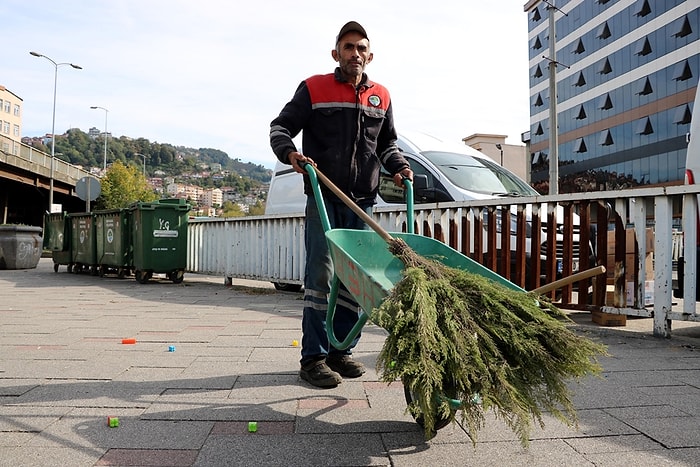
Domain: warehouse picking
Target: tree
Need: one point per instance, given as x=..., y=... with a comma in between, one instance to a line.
x=230, y=209
x=258, y=209
x=123, y=185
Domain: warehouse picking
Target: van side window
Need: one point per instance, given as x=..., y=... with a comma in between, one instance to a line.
x=390, y=193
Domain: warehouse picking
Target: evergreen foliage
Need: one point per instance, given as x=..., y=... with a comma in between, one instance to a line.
x=457, y=339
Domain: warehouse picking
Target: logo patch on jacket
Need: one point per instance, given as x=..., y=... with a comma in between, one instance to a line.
x=375, y=100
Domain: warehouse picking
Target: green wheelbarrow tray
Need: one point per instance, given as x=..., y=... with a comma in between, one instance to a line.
x=369, y=271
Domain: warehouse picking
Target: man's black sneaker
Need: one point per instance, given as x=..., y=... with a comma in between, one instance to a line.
x=345, y=365
x=320, y=375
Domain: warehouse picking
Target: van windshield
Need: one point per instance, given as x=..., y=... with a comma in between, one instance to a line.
x=479, y=175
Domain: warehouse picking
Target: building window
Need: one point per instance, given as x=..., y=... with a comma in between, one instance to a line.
x=602, y=2
x=536, y=15
x=606, y=138
x=605, y=103
x=642, y=47
x=644, y=87
x=16, y=110
x=579, y=48
x=682, y=115
x=538, y=72
x=642, y=8
x=682, y=72
x=603, y=31
x=644, y=127
x=6, y=127
x=580, y=146
x=604, y=67
x=580, y=81
x=682, y=27
x=15, y=130
x=539, y=130
x=536, y=43
x=538, y=101
x=581, y=113
x=7, y=107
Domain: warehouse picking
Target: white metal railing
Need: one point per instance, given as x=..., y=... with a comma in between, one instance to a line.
x=271, y=248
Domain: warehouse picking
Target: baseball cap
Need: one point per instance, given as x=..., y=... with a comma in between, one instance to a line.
x=351, y=26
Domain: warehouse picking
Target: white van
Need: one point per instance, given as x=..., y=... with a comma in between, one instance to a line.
x=453, y=173
x=450, y=172
x=692, y=177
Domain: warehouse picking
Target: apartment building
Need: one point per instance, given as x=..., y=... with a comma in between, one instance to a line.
x=626, y=73
x=10, y=120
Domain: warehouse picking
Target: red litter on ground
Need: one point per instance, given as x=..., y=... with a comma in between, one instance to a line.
x=130, y=340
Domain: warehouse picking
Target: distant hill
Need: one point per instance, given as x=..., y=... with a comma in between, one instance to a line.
x=85, y=150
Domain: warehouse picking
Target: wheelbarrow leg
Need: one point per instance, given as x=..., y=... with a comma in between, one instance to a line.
x=330, y=315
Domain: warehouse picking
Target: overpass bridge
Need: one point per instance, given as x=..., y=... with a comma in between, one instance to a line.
x=25, y=179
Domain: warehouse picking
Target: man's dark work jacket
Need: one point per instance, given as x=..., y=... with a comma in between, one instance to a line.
x=347, y=131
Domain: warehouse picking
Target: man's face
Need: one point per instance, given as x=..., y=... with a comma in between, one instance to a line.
x=352, y=54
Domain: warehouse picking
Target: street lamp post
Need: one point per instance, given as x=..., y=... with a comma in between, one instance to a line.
x=144, y=162
x=500, y=148
x=104, y=162
x=53, y=119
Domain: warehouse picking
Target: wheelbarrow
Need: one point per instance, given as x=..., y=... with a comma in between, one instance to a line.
x=369, y=271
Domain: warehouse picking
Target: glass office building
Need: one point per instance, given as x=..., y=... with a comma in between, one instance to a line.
x=626, y=77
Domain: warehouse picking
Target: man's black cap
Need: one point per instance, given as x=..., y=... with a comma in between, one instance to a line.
x=351, y=26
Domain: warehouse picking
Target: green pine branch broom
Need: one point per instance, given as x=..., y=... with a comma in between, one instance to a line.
x=464, y=344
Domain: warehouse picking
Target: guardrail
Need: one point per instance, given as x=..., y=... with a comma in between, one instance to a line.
x=29, y=158
x=628, y=231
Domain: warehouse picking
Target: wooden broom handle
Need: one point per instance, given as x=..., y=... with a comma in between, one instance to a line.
x=579, y=276
x=355, y=208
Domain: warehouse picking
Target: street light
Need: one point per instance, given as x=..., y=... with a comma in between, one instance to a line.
x=104, y=164
x=144, y=163
x=53, y=119
x=500, y=148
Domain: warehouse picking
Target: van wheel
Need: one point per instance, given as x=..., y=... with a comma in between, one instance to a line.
x=284, y=287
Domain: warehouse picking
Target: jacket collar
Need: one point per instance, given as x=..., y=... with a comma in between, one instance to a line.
x=364, y=82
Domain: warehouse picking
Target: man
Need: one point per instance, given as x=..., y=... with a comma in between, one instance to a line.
x=348, y=132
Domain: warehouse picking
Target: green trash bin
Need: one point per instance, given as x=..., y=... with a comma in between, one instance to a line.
x=57, y=240
x=159, y=238
x=83, y=251
x=113, y=242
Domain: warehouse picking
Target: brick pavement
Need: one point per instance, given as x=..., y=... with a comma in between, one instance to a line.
x=64, y=370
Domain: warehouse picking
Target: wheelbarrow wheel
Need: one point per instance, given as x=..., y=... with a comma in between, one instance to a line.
x=441, y=421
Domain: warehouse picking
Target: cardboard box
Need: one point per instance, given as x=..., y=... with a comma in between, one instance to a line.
x=648, y=299
x=630, y=260
x=608, y=319
x=629, y=241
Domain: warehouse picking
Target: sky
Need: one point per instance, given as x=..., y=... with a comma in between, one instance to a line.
x=213, y=74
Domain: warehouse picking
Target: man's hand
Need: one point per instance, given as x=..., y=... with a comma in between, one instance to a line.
x=297, y=160
x=404, y=174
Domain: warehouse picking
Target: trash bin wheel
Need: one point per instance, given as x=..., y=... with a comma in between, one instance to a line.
x=440, y=421
x=102, y=270
x=121, y=272
x=69, y=268
x=55, y=267
x=176, y=276
x=143, y=276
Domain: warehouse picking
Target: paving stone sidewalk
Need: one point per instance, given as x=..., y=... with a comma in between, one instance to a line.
x=209, y=359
